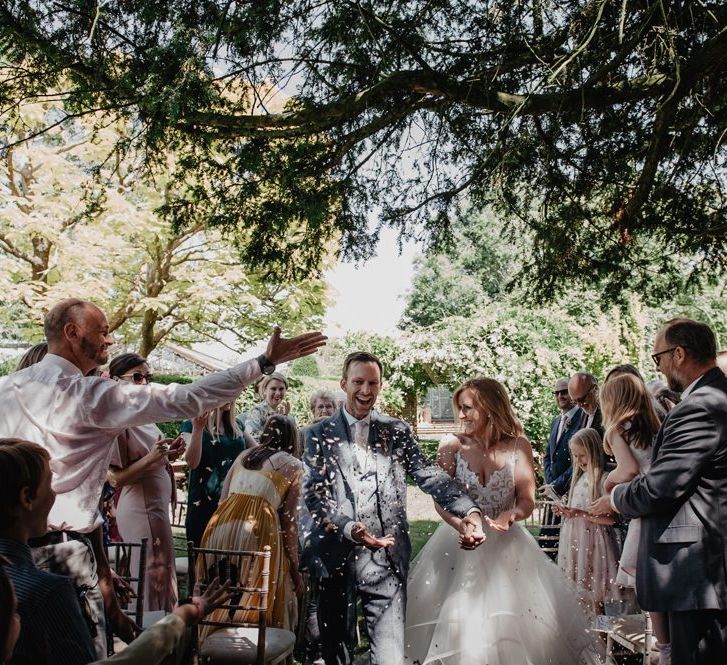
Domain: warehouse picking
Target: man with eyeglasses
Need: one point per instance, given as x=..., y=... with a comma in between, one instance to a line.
x=583, y=390
x=682, y=500
x=557, y=467
x=77, y=419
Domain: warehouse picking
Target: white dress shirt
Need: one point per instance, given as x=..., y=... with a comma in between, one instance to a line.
x=363, y=482
x=77, y=419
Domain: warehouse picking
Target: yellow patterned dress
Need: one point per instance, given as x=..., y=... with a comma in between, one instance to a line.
x=248, y=520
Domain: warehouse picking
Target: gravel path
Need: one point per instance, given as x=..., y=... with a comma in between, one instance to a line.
x=419, y=506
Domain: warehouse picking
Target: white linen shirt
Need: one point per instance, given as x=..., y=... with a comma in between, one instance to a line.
x=77, y=419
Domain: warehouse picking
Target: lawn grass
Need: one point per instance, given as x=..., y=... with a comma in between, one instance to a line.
x=420, y=531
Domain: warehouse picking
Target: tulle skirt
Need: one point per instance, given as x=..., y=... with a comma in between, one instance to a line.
x=505, y=603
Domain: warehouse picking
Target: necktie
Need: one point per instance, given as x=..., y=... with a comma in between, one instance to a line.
x=359, y=436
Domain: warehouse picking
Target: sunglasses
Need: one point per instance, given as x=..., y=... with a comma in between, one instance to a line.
x=138, y=377
x=560, y=392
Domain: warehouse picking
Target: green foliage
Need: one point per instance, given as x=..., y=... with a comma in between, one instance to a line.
x=595, y=128
x=170, y=430
x=306, y=366
x=172, y=378
x=460, y=277
x=8, y=366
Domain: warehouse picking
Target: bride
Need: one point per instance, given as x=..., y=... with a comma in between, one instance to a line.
x=505, y=603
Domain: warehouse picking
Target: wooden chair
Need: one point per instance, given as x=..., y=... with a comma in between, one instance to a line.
x=632, y=632
x=177, y=518
x=542, y=518
x=121, y=558
x=234, y=641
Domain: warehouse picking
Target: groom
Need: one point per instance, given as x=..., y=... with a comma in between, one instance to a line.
x=356, y=491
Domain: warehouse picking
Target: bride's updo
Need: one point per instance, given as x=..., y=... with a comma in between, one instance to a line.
x=491, y=400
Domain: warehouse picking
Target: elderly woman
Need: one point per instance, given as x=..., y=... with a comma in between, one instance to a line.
x=273, y=389
x=322, y=404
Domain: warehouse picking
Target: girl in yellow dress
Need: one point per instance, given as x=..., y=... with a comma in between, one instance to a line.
x=258, y=507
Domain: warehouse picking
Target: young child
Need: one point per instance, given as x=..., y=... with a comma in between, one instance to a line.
x=631, y=424
x=588, y=552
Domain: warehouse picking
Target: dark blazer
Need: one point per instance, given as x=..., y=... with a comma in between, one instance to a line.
x=682, y=500
x=557, y=467
x=329, y=497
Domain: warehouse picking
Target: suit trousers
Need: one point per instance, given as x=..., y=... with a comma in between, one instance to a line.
x=698, y=637
x=383, y=598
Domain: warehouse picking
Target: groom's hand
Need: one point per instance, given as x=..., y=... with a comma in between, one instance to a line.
x=471, y=533
x=361, y=535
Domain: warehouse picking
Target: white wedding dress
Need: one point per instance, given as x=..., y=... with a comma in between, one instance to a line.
x=505, y=603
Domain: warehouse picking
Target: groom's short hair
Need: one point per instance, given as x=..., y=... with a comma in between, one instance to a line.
x=361, y=357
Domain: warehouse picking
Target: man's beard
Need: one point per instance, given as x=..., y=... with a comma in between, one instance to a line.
x=97, y=354
x=675, y=383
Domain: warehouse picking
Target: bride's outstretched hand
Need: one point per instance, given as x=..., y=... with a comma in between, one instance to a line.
x=502, y=522
x=471, y=533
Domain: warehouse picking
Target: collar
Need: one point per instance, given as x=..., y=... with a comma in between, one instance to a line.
x=352, y=420
x=17, y=552
x=67, y=368
x=692, y=385
x=570, y=414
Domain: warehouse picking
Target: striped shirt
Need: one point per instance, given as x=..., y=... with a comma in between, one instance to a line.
x=52, y=629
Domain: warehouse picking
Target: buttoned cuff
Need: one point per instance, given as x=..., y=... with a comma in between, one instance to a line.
x=611, y=499
x=473, y=510
x=347, y=530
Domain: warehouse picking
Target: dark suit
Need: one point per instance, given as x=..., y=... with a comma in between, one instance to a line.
x=378, y=577
x=557, y=471
x=682, y=562
x=557, y=467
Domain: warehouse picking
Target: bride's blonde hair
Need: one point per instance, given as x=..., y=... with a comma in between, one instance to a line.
x=490, y=398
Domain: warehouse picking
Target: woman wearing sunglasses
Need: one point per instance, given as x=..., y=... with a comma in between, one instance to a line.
x=140, y=468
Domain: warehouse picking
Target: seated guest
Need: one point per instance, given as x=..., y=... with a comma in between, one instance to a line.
x=140, y=468
x=259, y=507
x=164, y=642
x=214, y=440
x=52, y=629
x=33, y=355
x=273, y=389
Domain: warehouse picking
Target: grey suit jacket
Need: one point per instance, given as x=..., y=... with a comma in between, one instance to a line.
x=328, y=494
x=682, y=500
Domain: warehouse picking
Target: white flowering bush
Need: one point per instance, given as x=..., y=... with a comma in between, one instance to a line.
x=525, y=349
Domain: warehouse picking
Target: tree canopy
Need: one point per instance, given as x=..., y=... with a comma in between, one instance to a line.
x=73, y=223
x=597, y=126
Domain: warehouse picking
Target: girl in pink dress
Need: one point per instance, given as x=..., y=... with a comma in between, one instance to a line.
x=588, y=551
x=140, y=467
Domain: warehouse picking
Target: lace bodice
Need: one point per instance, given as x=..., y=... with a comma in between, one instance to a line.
x=497, y=495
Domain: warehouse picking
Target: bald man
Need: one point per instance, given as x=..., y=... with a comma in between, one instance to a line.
x=583, y=391
x=77, y=419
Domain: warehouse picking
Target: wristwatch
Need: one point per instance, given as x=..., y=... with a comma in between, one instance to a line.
x=266, y=367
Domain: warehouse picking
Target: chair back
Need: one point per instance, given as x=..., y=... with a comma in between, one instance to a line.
x=129, y=562
x=249, y=575
x=178, y=514
x=544, y=527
